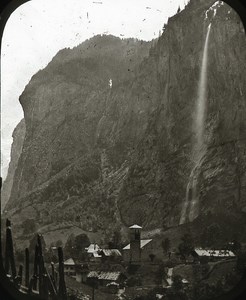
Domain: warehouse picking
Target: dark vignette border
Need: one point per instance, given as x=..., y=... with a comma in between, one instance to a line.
x=7, y=290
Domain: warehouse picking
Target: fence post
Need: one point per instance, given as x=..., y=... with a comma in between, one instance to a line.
x=6, y=262
x=35, y=271
x=9, y=251
x=56, y=277
x=30, y=286
x=52, y=287
x=53, y=277
x=27, y=265
x=45, y=286
x=41, y=268
x=20, y=273
x=52, y=269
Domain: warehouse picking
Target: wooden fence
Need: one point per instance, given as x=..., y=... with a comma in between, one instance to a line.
x=41, y=284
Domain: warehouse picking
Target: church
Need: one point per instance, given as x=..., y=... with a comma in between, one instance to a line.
x=139, y=250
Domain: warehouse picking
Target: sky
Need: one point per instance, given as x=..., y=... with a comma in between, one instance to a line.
x=38, y=29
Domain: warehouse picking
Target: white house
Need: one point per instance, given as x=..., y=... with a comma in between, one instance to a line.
x=213, y=254
x=69, y=267
x=93, y=251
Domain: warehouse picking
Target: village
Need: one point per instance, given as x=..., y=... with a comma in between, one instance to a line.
x=137, y=270
x=140, y=271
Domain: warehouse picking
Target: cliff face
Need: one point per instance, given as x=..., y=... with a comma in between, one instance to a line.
x=16, y=149
x=96, y=155
x=159, y=176
x=80, y=131
x=71, y=96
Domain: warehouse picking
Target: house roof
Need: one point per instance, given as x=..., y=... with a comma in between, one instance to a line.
x=112, y=276
x=69, y=262
x=93, y=274
x=214, y=253
x=142, y=244
x=111, y=252
x=109, y=276
x=135, y=226
x=92, y=248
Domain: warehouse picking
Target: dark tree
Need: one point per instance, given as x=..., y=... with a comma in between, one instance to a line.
x=235, y=246
x=134, y=281
x=160, y=274
x=186, y=246
x=81, y=241
x=111, y=245
x=152, y=257
x=69, y=246
x=75, y=246
x=177, y=283
x=166, y=244
x=117, y=239
x=241, y=262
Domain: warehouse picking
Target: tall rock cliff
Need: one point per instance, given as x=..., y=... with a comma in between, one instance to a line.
x=110, y=127
x=158, y=178
x=83, y=117
x=16, y=149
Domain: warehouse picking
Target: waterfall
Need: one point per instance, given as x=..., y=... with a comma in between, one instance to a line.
x=110, y=83
x=201, y=101
x=190, y=207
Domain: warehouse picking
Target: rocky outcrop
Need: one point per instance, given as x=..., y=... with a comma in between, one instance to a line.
x=16, y=149
x=101, y=155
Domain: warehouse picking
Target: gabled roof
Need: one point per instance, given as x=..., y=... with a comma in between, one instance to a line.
x=143, y=243
x=111, y=252
x=214, y=253
x=69, y=262
x=104, y=275
x=92, y=248
x=135, y=226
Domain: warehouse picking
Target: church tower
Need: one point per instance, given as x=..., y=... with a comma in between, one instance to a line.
x=135, y=243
